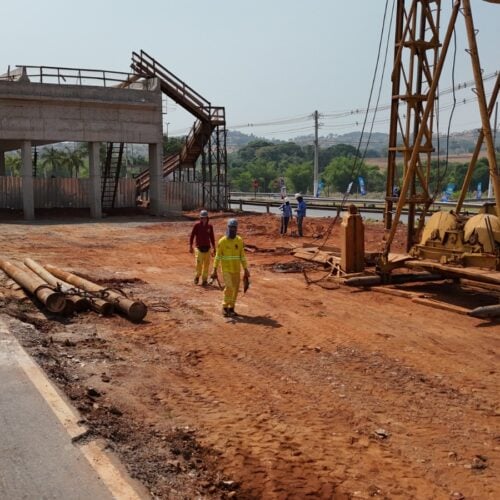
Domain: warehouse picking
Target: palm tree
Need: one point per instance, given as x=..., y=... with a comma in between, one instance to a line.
x=53, y=158
x=13, y=164
x=74, y=160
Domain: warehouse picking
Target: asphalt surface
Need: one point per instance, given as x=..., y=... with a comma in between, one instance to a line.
x=37, y=457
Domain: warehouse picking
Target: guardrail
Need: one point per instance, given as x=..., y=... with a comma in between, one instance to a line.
x=333, y=203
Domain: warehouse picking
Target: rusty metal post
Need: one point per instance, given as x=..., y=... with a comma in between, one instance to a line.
x=135, y=310
x=477, y=150
x=481, y=99
x=55, y=301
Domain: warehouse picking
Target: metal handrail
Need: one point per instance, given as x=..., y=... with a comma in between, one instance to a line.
x=77, y=76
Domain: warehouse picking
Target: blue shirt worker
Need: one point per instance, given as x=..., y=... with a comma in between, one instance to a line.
x=231, y=255
x=301, y=212
x=286, y=215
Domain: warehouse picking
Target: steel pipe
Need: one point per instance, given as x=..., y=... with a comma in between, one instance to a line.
x=79, y=303
x=396, y=279
x=486, y=312
x=54, y=301
x=135, y=310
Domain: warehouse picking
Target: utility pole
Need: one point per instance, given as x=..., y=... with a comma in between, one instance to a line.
x=316, y=154
x=490, y=184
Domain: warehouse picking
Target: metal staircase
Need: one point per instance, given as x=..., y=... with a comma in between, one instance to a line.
x=207, y=138
x=111, y=174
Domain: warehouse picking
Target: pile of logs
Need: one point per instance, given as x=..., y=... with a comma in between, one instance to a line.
x=65, y=293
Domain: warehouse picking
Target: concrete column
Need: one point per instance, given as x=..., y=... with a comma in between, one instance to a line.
x=2, y=163
x=156, y=189
x=27, y=178
x=95, y=181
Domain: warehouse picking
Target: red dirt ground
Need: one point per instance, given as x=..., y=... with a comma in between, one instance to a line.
x=309, y=393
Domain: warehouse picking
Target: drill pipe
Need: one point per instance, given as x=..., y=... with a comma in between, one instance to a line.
x=135, y=310
x=485, y=312
x=55, y=301
x=361, y=281
x=80, y=303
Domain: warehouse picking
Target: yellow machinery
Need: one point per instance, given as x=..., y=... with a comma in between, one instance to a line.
x=450, y=239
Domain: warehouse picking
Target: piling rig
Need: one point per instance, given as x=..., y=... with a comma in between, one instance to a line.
x=448, y=238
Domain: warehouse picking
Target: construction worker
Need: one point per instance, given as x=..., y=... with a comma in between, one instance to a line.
x=203, y=232
x=231, y=255
x=300, y=212
x=286, y=215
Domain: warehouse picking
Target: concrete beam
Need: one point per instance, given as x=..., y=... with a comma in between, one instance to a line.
x=2, y=163
x=55, y=113
x=95, y=181
x=156, y=188
x=27, y=177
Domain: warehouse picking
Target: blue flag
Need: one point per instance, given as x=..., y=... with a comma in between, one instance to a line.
x=362, y=187
x=321, y=185
x=479, y=191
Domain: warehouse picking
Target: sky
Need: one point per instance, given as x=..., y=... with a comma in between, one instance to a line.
x=266, y=61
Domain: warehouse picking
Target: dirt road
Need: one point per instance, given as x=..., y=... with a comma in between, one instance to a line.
x=309, y=393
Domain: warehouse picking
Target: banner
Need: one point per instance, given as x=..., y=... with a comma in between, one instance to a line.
x=349, y=187
x=362, y=186
x=479, y=191
x=321, y=185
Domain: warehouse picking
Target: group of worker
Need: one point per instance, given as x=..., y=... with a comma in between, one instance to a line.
x=286, y=214
x=230, y=252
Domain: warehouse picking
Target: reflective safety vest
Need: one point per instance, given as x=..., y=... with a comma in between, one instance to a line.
x=230, y=254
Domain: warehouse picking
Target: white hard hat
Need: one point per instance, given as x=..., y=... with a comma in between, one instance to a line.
x=297, y=195
x=203, y=213
x=232, y=223
x=286, y=199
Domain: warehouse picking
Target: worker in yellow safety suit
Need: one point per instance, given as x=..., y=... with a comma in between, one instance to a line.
x=231, y=255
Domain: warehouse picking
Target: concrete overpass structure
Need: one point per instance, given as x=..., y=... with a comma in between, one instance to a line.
x=58, y=108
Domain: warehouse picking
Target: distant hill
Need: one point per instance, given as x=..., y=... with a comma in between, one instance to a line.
x=459, y=142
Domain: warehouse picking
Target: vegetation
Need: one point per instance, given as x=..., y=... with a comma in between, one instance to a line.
x=270, y=164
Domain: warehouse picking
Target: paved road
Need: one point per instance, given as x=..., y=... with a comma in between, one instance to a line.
x=37, y=458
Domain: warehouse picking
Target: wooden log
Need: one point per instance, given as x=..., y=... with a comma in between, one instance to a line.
x=54, y=301
x=135, y=310
x=80, y=303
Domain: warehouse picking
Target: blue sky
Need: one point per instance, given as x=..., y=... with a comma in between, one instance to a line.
x=264, y=60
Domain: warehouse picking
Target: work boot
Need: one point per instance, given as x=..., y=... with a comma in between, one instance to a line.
x=231, y=311
x=204, y=283
x=196, y=280
x=225, y=311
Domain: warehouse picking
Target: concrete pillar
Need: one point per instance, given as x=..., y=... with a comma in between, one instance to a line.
x=95, y=181
x=352, y=242
x=156, y=188
x=2, y=163
x=27, y=178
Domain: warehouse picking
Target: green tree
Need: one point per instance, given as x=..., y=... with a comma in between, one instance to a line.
x=52, y=160
x=299, y=177
x=74, y=160
x=13, y=164
x=172, y=145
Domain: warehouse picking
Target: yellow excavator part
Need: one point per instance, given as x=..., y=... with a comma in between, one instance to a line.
x=483, y=229
x=438, y=225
